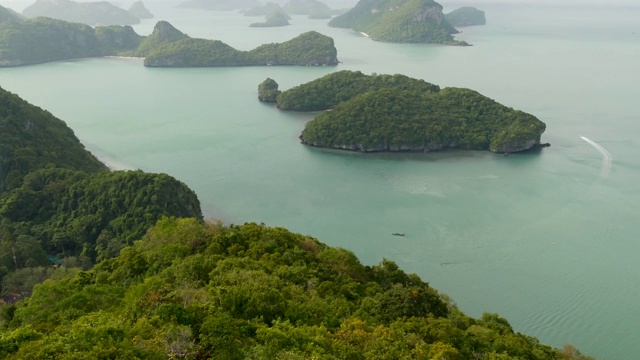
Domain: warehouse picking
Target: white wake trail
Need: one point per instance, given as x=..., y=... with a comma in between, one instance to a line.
x=607, y=159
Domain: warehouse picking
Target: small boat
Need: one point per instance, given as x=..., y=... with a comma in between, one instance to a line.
x=397, y=234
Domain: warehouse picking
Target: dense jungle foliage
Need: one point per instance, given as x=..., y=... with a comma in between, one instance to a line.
x=328, y=91
x=403, y=120
x=190, y=290
x=407, y=21
x=32, y=138
x=59, y=204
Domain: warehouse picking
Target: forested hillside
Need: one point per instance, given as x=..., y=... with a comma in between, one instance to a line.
x=39, y=40
x=405, y=120
x=407, y=21
x=168, y=47
x=33, y=139
x=59, y=204
x=328, y=91
x=206, y=291
x=398, y=113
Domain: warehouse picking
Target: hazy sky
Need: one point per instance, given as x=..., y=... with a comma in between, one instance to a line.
x=19, y=5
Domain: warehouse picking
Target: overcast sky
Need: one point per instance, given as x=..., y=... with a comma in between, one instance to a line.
x=19, y=5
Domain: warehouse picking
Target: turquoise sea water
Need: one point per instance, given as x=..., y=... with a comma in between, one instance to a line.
x=548, y=239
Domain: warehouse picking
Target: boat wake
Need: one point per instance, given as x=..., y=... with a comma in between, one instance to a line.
x=606, y=156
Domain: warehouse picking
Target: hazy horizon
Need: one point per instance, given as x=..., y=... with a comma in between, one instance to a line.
x=19, y=5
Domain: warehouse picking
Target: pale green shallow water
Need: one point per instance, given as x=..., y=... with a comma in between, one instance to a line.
x=548, y=240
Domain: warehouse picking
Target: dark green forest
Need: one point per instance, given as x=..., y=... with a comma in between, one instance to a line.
x=402, y=120
x=398, y=113
x=330, y=90
x=59, y=204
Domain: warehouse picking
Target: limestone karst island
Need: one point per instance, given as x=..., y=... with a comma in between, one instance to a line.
x=40, y=40
x=372, y=113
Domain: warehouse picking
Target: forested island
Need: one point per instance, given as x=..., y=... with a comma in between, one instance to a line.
x=32, y=41
x=39, y=40
x=466, y=16
x=405, y=21
x=139, y=10
x=112, y=285
x=372, y=113
x=90, y=13
x=274, y=19
x=168, y=47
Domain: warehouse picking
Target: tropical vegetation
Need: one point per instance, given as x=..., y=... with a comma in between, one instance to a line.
x=39, y=40
x=86, y=274
x=403, y=120
x=407, y=21
x=328, y=91
x=60, y=205
x=168, y=47
x=194, y=290
x=399, y=113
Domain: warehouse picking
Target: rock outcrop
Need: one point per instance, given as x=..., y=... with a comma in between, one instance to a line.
x=268, y=91
x=140, y=11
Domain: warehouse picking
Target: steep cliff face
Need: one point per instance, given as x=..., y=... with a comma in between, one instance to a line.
x=140, y=11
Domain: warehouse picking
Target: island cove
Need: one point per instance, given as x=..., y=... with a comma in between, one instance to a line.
x=41, y=40
x=396, y=113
